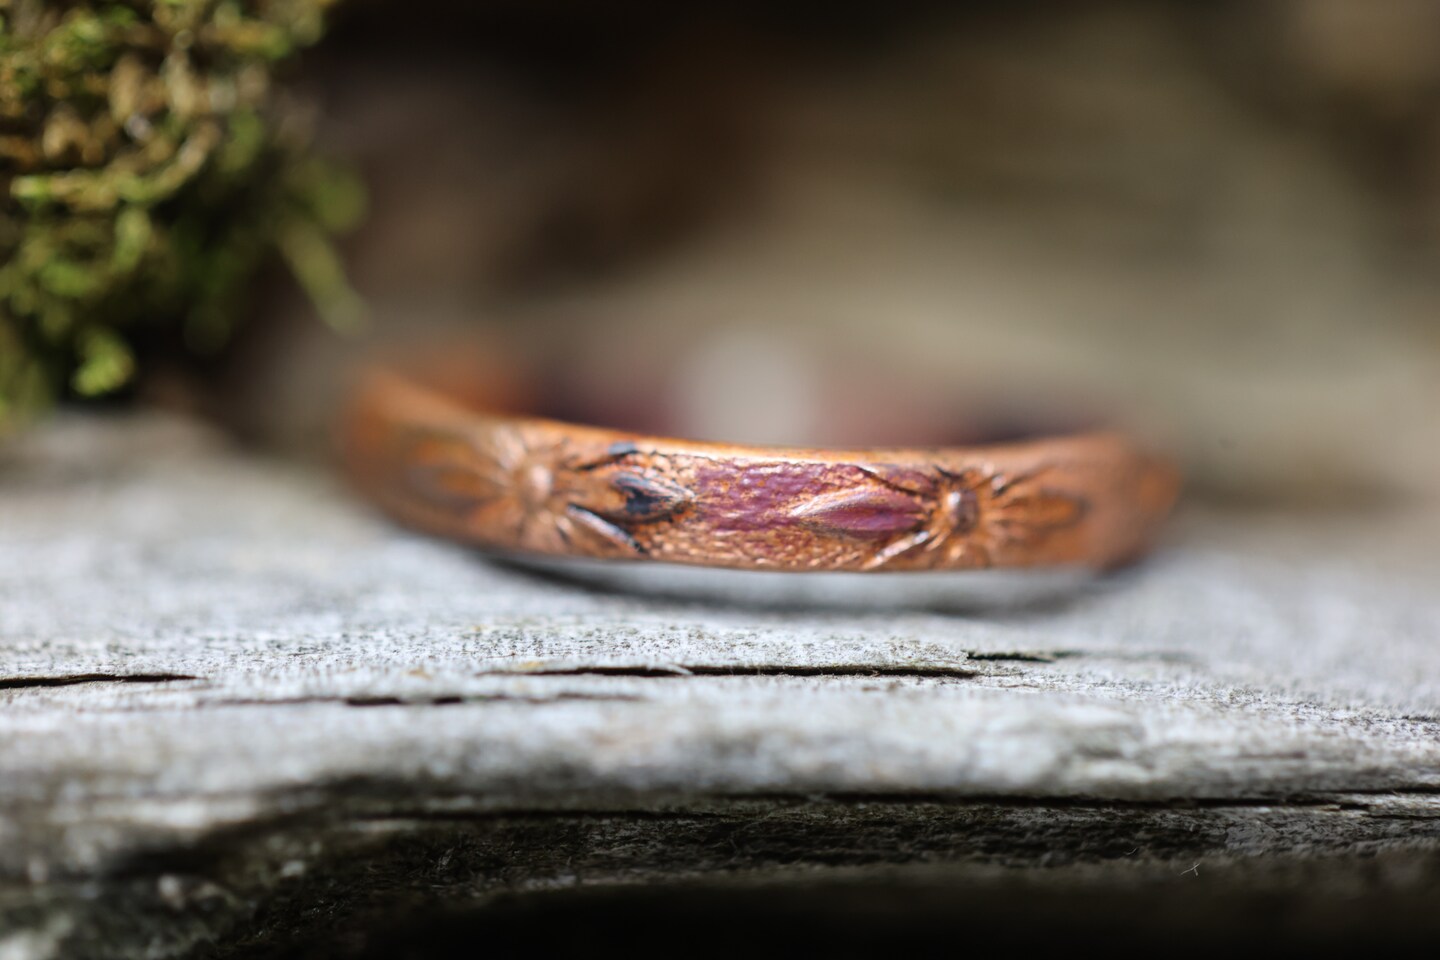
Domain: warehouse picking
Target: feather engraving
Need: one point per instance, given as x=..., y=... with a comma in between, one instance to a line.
x=512, y=484
x=872, y=513
x=941, y=516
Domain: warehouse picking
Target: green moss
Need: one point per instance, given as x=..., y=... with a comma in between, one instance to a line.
x=146, y=171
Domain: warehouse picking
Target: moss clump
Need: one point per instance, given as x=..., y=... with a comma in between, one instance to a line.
x=147, y=165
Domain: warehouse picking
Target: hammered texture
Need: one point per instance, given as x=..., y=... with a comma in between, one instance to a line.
x=551, y=488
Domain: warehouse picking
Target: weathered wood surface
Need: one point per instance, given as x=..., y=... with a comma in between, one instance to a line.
x=225, y=686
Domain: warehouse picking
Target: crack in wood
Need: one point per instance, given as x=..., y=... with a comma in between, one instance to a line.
x=670, y=671
x=1019, y=656
x=458, y=700
x=843, y=804
x=67, y=680
x=444, y=700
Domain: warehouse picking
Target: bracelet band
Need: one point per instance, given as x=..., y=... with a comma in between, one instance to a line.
x=544, y=487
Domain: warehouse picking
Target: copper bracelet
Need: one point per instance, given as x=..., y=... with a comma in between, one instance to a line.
x=536, y=486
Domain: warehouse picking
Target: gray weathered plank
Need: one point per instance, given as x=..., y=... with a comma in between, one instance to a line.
x=195, y=640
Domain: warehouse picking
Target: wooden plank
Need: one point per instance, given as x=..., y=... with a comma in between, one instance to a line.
x=203, y=652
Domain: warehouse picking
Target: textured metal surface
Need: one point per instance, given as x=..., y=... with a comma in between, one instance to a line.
x=549, y=488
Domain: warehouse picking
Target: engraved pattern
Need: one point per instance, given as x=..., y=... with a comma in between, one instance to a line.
x=552, y=488
x=536, y=491
x=942, y=517
x=878, y=513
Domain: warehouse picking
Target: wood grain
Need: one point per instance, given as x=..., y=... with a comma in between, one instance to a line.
x=235, y=707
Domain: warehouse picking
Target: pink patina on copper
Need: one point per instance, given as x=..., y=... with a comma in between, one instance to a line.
x=546, y=487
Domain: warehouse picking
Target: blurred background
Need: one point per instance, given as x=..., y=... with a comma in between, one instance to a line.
x=1218, y=222
x=1215, y=223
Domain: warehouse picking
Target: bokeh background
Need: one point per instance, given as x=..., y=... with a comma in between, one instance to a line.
x=1221, y=221
x=1217, y=222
